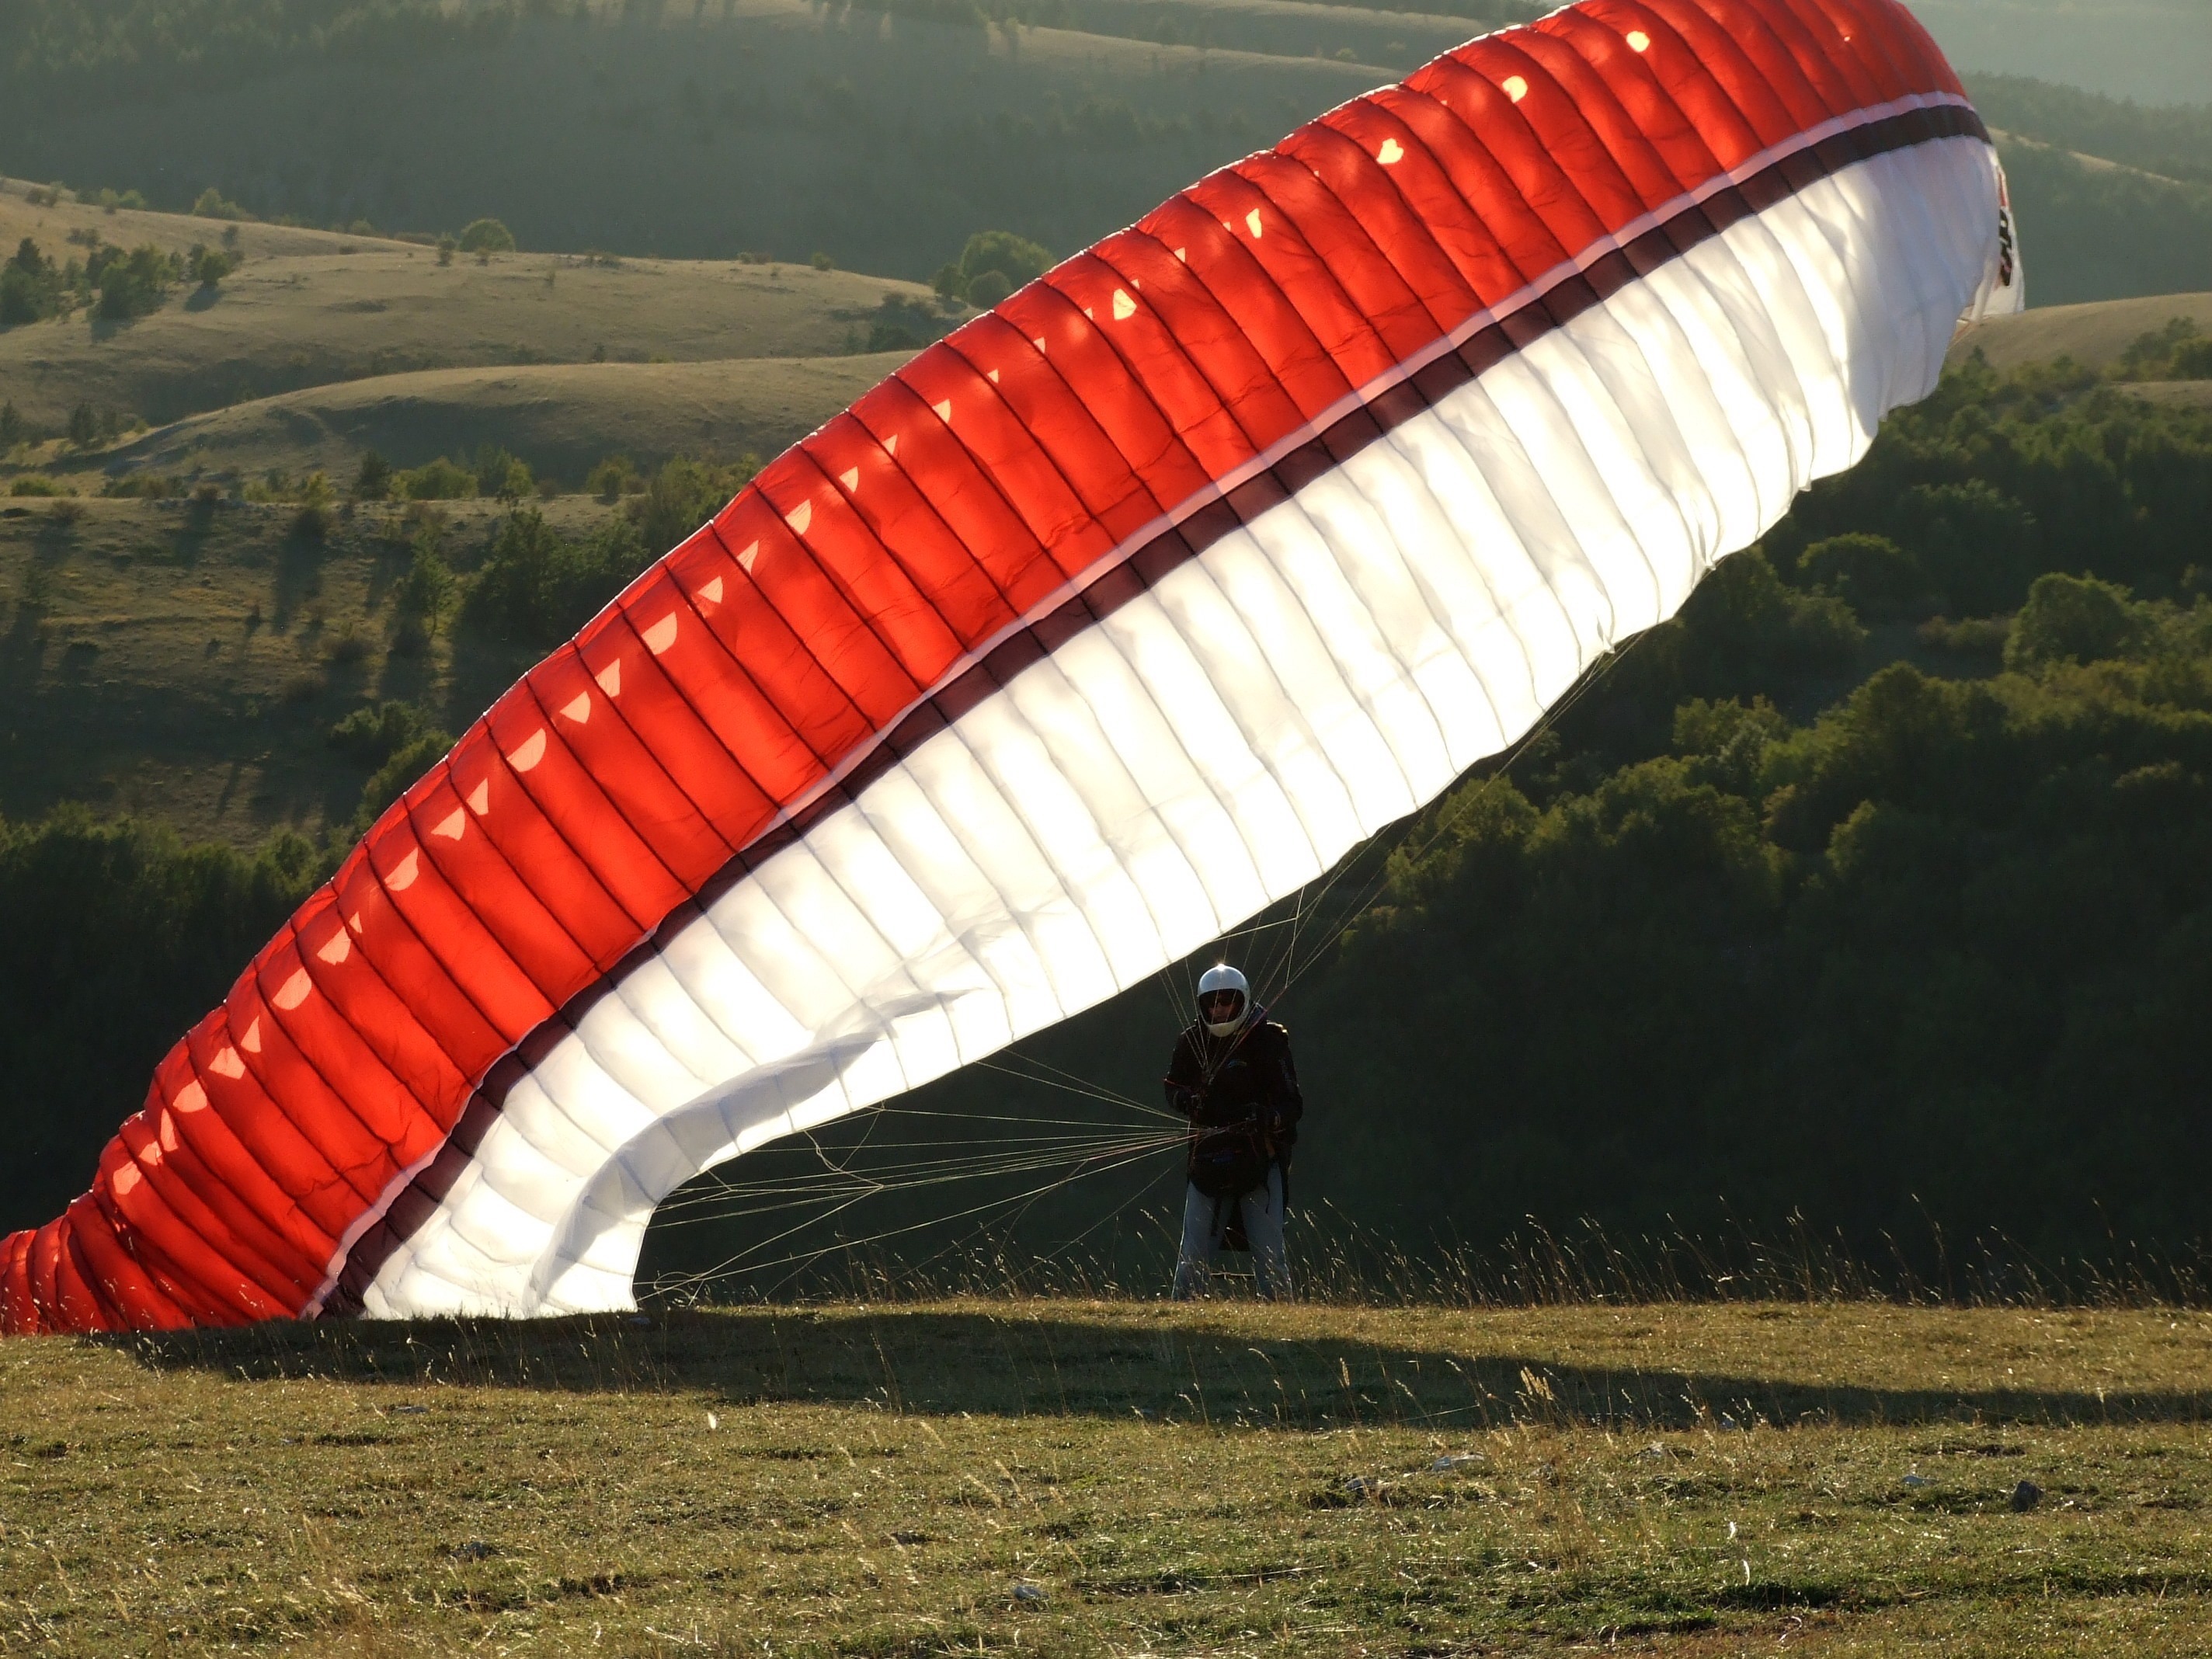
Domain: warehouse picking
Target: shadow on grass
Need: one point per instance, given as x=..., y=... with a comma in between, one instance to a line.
x=1034, y=1361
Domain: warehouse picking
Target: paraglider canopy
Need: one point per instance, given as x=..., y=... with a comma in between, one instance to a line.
x=1122, y=611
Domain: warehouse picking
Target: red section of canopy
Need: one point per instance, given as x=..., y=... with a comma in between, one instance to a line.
x=863, y=566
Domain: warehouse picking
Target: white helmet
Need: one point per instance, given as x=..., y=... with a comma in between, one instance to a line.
x=1219, y=980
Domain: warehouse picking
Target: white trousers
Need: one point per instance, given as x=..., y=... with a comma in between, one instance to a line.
x=1206, y=1219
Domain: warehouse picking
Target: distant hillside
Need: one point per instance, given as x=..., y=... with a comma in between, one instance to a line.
x=2092, y=335
x=2092, y=229
x=2175, y=140
x=309, y=309
x=881, y=134
x=762, y=124
x=560, y=419
x=2156, y=52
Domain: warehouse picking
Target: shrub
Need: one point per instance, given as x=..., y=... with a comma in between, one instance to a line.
x=486, y=236
x=44, y=195
x=347, y=647
x=2077, y=618
x=539, y=587
x=373, y=481
x=500, y=476
x=212, y=205
x=987, y=289
x=682, y=495
x=822, y=262
x=31, y=483
x=1871, y=573
x=30, y=286
x=83, y=427
x=208, y=266
x=614, y=475
x=438, y=481
x=426, y=592
x=445, y=250
x=133, y=283
x=12, y=430
x=373, y=735
x=408, y=762
x=1015, y=259
x=314, y=519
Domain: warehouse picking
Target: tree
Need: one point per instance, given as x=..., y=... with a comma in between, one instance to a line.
x=426, y=592
x=500, y=476
x=207, y=266
x=682, y=495
x=486, y=236
x=211, y=205
x=84, y=426
x=1001, y=255
x=373, y=481
x=2070, y=619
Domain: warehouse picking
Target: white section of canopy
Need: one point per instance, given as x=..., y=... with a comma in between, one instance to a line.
x=1224, y=739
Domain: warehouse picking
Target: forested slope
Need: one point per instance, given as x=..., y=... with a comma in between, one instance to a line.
x=881, y=134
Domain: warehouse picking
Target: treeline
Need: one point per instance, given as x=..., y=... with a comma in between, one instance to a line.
x=116, y=938
x=115, y=284
x=2175, y=140
x=2096, y=232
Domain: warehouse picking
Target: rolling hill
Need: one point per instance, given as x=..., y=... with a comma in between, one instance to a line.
x=562, y=418
x=311, y=308
x=2093, y=334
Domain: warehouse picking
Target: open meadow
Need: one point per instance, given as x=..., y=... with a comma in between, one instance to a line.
x=1121, y=1477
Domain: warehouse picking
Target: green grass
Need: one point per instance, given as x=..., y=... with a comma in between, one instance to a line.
x=1676, y=1479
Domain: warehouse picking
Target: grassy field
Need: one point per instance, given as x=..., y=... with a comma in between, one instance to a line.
x=1120, y=1478
x=564, y=418
x=2093, y=334
x=308, y=309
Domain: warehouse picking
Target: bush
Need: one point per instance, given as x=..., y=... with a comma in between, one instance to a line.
x=408, y=762
x=445, y=250
x=12, y=429
x=373, y=483
x=993, y=264
x=500, y=476
x=32, y=484
x=685, y=494
x=313, y=520
x=83, y=427
x=438, y=481
x=614, y=475
x=373, y=735
x=822, y=262
x=208, y=266
x=1871, y=573
x=130, y=284
x=212, y=205
x=485, y=236
x=426, y=592
x=31, y=286
x=539, y=587
x=2070, y=618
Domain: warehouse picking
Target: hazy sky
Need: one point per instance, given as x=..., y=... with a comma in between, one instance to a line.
x=2155, y=51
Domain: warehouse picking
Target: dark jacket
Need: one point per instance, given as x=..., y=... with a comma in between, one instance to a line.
x=1241, y=1095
